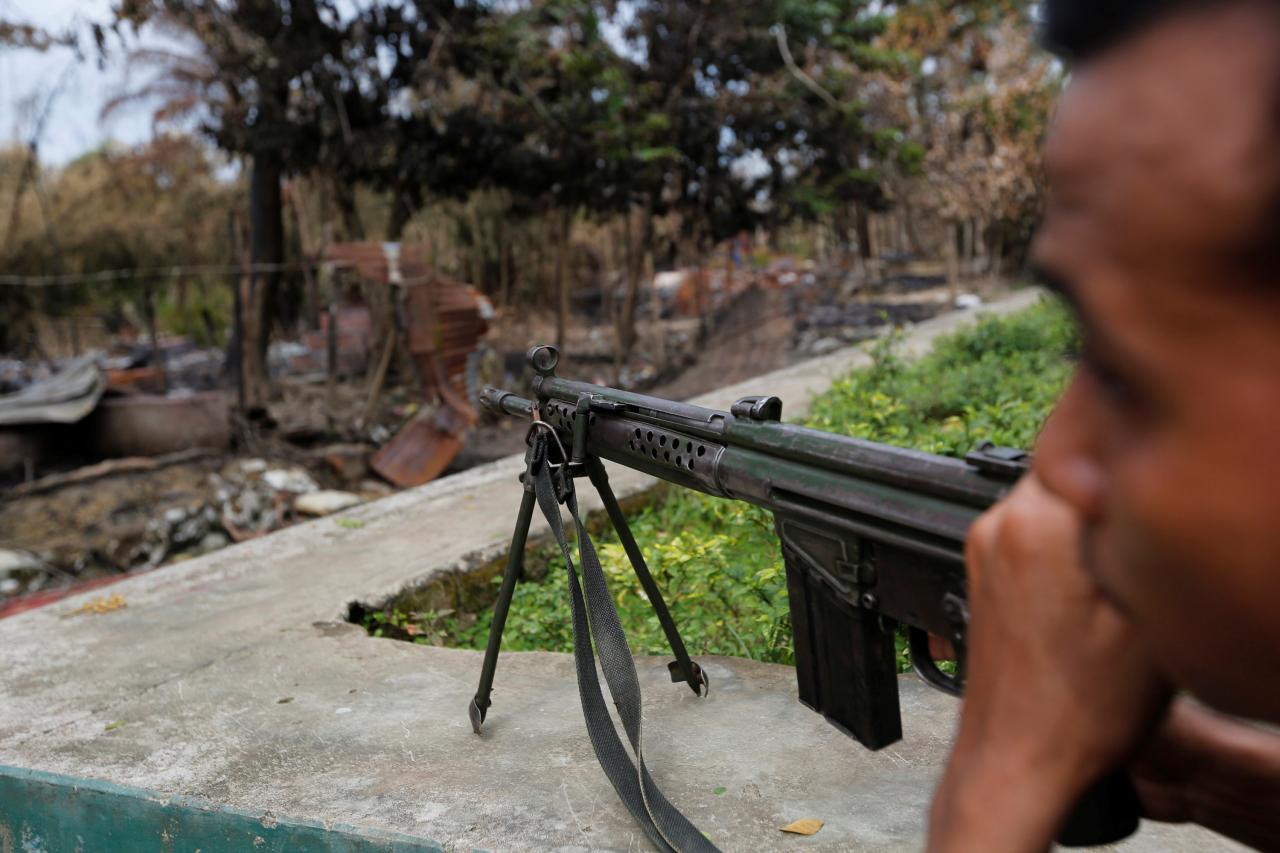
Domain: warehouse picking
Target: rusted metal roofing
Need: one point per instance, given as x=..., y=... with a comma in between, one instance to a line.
x=445, y=320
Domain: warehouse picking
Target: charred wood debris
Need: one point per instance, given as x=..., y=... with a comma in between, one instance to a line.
x=115, y=461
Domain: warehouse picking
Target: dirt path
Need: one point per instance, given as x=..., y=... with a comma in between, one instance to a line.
x=754, y=338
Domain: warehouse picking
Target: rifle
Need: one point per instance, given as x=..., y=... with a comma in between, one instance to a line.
x=872, y=538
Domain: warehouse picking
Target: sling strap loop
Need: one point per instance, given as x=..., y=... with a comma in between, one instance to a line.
x=596, y=617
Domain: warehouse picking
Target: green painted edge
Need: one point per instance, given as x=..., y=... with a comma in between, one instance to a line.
x=46, y=812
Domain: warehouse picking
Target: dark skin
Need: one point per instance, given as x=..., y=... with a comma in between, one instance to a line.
x=1141, y=560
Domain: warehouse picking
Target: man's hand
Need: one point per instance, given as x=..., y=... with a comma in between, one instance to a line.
x=1058, y=690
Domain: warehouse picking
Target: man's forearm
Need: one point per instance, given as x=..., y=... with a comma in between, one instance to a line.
x=993, y=819
x=995, y=800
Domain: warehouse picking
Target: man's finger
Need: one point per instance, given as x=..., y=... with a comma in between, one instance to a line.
x=940, y=648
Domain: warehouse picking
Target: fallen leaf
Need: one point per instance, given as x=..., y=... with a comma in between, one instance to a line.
x=412, y=630
x=720, y=790
x=99, y=605
x=806, y=826
x=113, y=726
x=349, y=523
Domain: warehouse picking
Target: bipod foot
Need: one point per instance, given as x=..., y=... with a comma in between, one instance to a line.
x=695, y=677
x=476, y=713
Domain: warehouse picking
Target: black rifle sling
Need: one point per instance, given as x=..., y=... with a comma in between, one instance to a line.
x=594, y=616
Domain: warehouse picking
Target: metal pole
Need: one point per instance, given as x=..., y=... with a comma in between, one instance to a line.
x=515, y=561
x=682, y=668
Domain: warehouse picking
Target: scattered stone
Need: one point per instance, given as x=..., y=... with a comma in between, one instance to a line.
x=290, y=480
x=853, y=335
x=968, y=300
x=371, y=489
x=325, y=502
x=189, y=526
x=212, y=542
x=825, y=346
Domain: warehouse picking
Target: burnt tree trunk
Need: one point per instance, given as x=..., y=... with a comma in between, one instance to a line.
x=862, y=225
x=344, y=198
x=401, y=212
x=952, y=250
x=266, y=240
x=914, y=244
x=149, y=318
x=504, y=266
x=626, y=316
x=311, y=257
x=562, y=278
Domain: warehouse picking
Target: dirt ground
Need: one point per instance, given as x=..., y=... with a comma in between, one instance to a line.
x=757, y=336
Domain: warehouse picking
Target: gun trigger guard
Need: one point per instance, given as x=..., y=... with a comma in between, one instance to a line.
x=927, y=668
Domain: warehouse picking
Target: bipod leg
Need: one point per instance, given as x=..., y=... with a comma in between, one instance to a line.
x=682, y=668
x=515, y=561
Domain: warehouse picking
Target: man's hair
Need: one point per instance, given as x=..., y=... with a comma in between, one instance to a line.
x=1079, y=29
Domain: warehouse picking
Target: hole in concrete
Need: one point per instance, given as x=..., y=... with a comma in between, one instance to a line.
x=441, y=610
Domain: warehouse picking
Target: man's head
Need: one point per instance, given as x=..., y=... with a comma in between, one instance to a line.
x=1163, y=229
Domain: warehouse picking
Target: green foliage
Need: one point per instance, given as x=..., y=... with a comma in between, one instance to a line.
x=995, y=381
x=184, y=310
x=719, y=567
x=154, y=206
x=719, y=563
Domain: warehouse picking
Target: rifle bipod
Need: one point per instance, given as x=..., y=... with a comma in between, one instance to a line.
x=682, y=669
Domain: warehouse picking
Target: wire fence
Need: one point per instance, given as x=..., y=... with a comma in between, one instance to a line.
x=153, y=273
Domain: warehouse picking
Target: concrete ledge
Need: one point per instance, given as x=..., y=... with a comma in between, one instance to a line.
x=231, y=679
x=48, y=812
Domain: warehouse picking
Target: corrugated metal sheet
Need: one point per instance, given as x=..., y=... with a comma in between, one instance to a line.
x=445, y=320
x=64, y=398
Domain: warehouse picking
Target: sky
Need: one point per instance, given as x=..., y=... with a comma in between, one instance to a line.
x=74, y=125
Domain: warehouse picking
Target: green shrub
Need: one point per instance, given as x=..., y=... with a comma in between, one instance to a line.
x=719, y=563
x=996, y=380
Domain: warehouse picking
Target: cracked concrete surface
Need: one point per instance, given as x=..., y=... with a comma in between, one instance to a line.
x=232, y=678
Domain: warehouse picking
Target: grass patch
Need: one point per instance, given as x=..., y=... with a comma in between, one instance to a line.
x=719, y=563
